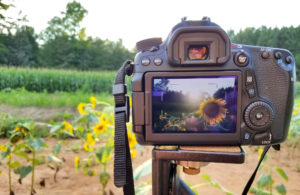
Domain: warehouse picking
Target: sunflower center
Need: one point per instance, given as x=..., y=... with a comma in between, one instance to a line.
x=211, y=109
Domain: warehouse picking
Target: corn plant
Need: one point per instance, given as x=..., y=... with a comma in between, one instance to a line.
x=41, y=80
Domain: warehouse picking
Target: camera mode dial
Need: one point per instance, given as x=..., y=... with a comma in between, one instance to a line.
x=259, y=115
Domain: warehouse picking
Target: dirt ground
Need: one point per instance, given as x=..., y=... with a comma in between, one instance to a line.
x=35, y=113
x=233, y=177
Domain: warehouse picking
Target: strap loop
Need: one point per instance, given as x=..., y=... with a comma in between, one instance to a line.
x=123, y=176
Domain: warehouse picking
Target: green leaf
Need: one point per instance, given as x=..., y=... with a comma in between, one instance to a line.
x=22, y=154
x=142, y=170
x=92, y=118
x=143, y=188
x=56, y=149
x=104, y=178
x=282, y=173
x=37, y=143
x=20, y=146
x=263, y=181
x=206, y=177
x=54, y=159
x=103, y=154
x=281, y=189
x=54, y=129
x=23, y=171
x=15, y=164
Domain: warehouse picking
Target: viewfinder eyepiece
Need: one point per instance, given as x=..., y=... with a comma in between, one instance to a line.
x=198, y=52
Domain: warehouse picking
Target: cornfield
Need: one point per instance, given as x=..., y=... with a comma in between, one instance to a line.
x=48, y=80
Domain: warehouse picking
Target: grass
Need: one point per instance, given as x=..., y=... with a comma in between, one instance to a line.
x=22, y=98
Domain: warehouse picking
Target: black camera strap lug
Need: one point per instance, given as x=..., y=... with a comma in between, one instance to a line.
x=123, y=176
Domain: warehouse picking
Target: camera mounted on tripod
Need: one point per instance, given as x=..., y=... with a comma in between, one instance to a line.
x=197, y=88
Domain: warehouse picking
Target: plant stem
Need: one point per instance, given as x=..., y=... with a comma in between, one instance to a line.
x=32, y=174
x=9, y=171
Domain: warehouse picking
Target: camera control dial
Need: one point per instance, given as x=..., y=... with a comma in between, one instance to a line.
x=259, y=115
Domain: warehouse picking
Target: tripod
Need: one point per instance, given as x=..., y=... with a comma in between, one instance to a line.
x=165, y=180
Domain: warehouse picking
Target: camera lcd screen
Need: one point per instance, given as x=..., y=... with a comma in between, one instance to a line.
x=194, y=104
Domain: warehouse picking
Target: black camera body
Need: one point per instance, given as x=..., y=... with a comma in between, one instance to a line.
x=198, y=88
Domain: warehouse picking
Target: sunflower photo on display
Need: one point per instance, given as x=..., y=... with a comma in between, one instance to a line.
x=208, y=106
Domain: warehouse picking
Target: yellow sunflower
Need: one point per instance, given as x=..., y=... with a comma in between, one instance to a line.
x=90, y=139
x=93, y=101
x=80, y=108
x=3, y=148
x=212, y=110
x=102, y=126
x=23, y=130
x=76, y=161
x=87, y=147
x=68, y=127
x=131, y=139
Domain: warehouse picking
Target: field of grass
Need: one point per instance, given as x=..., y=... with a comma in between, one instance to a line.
x=22, y=97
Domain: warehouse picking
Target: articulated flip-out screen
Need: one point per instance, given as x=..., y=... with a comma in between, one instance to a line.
x=197, y=104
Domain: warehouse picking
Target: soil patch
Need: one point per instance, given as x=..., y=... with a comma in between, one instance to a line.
x=233, y=177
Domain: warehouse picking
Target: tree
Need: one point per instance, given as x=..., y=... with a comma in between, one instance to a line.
x=20, y=49
x=67, y=25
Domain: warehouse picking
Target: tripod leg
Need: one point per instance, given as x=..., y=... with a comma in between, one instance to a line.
x=160, y=177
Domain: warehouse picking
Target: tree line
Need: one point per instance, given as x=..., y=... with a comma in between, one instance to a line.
x=63, y=44
x=285, y=37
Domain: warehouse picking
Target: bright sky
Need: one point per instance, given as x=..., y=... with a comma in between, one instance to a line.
x=135, y=20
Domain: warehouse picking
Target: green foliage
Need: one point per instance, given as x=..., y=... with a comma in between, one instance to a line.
x=40, y=80
x=64, y=44
x=20, y=49
x=212, y=183
x=142, y=170
x=66, y=25
x=282, y=173
x=264, y=184
x=58, y=99
x=8, y=124
x=294, y=131
x=298, y=89
x=23, y=171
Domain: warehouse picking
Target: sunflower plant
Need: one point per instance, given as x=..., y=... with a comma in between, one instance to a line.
x=21, y=143
x=94, y=127
x=294, y=132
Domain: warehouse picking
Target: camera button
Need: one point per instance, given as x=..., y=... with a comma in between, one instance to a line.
x=158, y=61
x=251, y=92
x=247, y=136
x=289, y=59
x=278, y=55
x=241, y=59
x=263, y=138
x=145, y=61
x=265, y=54
x=249, y=77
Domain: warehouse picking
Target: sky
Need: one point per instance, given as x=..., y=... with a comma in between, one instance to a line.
x=135, y=20
x=203, y=85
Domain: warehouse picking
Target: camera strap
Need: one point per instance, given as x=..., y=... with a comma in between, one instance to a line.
x=123, y=176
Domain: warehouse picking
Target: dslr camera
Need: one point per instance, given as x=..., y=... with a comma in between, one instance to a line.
x=198, y=88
